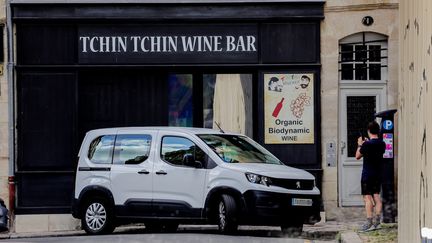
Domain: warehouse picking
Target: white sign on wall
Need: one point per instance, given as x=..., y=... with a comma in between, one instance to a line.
x=288, y=108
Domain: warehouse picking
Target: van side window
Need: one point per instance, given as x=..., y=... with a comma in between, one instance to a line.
x=174, y=150
x=132, y=148
x=100, y=149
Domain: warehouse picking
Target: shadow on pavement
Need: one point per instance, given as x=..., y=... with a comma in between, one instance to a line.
x=272, y=232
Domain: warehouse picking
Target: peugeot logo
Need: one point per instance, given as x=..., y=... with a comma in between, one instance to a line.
x=298, y=185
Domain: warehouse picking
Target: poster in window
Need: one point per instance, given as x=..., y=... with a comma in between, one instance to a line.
x=288, y=108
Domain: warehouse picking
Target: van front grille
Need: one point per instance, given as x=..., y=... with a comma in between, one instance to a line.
x=293, y=184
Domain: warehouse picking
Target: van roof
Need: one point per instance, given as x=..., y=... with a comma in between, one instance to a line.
x=188, y=130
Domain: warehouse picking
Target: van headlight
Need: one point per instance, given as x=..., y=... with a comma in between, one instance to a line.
x=258, y=179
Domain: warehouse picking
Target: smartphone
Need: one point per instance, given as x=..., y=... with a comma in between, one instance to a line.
x=361, y=135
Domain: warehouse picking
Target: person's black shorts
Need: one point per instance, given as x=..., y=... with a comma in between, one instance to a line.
x=370, y=187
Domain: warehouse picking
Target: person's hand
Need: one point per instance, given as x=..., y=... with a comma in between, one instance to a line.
x=360, y=141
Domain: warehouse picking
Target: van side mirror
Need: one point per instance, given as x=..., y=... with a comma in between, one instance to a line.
x=198, y=165
x=189, y=160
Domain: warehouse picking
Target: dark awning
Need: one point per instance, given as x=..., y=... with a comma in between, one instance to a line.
x=167, y=10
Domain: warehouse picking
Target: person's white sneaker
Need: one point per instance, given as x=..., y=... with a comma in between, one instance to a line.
x=377, y=225
x=368, y=226
x=377, y=222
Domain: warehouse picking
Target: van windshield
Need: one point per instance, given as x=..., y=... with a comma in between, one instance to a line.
x=238, y=149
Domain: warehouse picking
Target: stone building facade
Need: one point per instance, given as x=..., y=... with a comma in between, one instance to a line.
x=344, y=19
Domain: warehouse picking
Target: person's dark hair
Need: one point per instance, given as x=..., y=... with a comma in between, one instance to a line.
x=305, y=77
x=273, y=79
x=373, y=128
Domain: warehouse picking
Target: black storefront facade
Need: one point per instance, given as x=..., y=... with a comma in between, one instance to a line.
x=87, y=66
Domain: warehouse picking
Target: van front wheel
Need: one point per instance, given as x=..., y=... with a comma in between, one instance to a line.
x=227, y=214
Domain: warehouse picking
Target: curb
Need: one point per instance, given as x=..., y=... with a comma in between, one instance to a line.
x=350, y=237
x=60, y=233
x=40, y=234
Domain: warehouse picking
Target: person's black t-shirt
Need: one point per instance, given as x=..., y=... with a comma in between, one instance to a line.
x=372, y=152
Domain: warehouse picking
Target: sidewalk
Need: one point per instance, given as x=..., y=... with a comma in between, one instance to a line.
x=345, y=231
x=331, y=230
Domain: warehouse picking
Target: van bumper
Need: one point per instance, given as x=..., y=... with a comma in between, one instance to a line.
x=74, y=208
x=271, y=208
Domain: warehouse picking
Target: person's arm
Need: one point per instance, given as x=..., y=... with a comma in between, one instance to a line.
x=358, y=154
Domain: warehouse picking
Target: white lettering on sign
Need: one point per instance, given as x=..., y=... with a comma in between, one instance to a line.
x=84, y=40
x=155, y=44
x=188, y=43
x=146, y=38
x=230, y=43
x=251, y=43
x=103, y=44
x=92, y=48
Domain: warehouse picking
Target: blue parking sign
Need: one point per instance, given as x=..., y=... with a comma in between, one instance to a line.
x=388, y=125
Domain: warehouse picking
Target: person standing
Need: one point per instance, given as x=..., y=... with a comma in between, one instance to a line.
x=371, y=150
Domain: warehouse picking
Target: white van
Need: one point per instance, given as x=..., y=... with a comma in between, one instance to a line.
x=163, y=176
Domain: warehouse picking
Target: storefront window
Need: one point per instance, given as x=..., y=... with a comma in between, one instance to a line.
x=227, y=100
x=180, y=100
x=209, y=81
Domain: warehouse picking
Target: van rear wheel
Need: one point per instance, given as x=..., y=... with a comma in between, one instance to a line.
x=227, y=214
x=98, y=217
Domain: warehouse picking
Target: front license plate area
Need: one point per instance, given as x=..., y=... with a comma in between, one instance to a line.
x=302, y=202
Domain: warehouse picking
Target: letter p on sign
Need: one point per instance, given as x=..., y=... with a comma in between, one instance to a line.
x=388, y=125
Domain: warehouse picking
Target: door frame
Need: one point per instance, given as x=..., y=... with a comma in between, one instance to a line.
x=354, y=86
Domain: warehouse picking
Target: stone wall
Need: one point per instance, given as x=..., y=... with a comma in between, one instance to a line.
x=343, y=18
x=415, y=119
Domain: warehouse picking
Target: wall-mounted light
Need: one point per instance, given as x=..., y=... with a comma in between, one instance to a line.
x=368, y=21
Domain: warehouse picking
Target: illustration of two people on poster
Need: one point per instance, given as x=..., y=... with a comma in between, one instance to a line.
x=275, y=84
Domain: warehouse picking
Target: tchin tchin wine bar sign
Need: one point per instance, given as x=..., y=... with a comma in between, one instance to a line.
x=211, y=43
x=288, y=108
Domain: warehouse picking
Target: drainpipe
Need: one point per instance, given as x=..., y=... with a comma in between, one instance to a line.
x=11, y=98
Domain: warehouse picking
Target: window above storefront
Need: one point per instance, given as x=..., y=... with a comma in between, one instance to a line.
x=363, y=57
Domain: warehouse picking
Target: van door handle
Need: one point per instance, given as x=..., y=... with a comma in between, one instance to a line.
x=144, y=171
x=161, y=172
